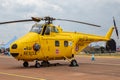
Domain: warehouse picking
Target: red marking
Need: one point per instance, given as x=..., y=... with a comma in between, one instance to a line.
x=76, y=48
x=57, y=51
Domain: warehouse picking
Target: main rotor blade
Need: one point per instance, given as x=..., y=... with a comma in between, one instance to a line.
x=16, y=21
x=80, y=22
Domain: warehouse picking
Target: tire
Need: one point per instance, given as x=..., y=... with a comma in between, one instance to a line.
x=73, y=63
x=25, y=64
x=37, y=65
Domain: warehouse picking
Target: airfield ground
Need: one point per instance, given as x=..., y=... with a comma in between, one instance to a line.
x=103, y=68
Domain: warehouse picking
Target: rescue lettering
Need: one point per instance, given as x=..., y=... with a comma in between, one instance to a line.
x=29, y=53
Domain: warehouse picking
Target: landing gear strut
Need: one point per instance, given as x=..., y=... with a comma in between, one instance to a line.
x=25, y=64
x=45, y=63
x=73, y=63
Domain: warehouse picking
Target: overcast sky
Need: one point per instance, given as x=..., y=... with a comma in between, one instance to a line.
x=98, y=12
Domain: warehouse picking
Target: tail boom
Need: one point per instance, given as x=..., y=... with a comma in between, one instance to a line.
x=109, y=33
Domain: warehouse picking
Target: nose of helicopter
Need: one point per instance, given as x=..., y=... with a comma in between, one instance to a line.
x=14, y=47
x=24, y=44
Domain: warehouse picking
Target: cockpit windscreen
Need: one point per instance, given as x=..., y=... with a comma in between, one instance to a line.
x=37, y=28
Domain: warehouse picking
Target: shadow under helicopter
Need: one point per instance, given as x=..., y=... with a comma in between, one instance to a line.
x=33, y=66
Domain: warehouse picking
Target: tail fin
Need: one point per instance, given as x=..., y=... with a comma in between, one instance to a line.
x=109, y=33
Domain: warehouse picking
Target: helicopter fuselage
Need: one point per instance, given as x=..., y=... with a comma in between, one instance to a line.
x=49, y=42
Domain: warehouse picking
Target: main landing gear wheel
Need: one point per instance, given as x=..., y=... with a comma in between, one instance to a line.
x=74, y=63
x=37, y=64
x=45, y=63
x=25, y=64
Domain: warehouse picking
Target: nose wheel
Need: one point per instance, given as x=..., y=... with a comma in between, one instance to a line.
x=25, y=64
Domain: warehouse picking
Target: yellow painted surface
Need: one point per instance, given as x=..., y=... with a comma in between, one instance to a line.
x=48, y=51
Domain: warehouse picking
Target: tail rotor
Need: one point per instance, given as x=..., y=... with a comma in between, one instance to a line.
x=116, y=30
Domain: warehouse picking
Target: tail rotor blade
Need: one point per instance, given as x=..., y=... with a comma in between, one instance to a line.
x=116, y=30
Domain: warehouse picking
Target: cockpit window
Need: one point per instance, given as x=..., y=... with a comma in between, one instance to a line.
x=37, y=28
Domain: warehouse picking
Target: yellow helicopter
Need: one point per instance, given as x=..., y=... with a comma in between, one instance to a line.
x=47, y=42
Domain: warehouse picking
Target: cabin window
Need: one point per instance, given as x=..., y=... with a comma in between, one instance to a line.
x=57, y=44
x=66, y=43
x=54, y=29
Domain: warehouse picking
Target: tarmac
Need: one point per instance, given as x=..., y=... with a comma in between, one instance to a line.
x=100, y=69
